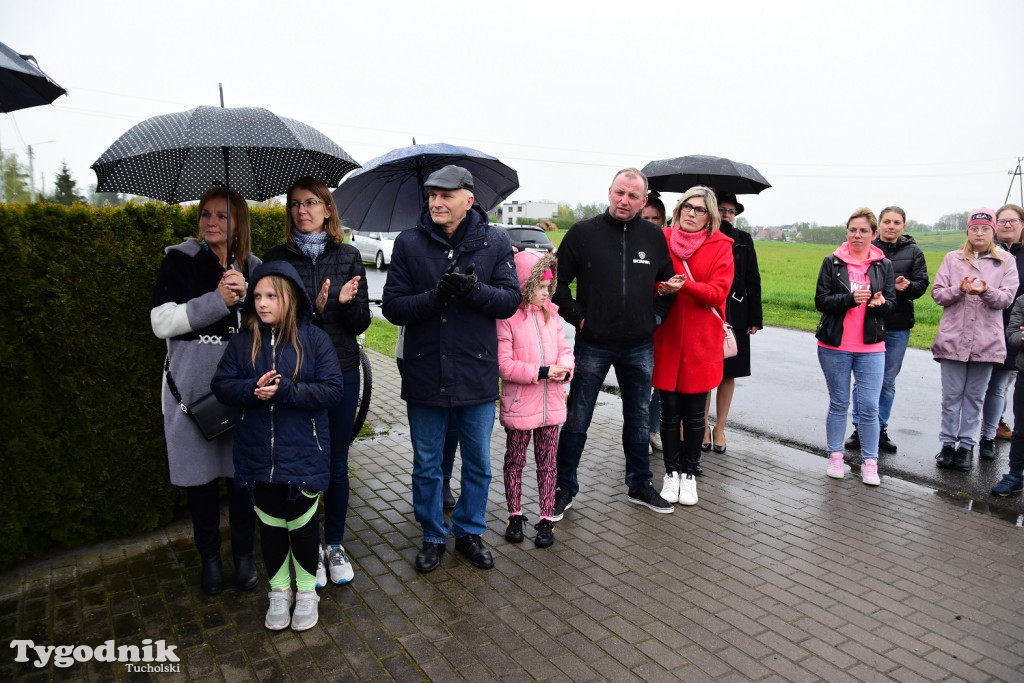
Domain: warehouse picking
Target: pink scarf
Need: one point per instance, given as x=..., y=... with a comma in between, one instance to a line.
x=683, y=243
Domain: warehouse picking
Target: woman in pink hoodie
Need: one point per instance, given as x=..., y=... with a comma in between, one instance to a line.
x=855, y=290
x=535, y=362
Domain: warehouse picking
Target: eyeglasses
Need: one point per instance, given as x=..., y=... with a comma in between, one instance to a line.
x=687, y=207
x=1008, y=221
x=310, y=204
x=729, y=212
x=979, y=229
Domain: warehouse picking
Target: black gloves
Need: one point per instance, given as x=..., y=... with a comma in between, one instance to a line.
x=462, y=283
x=445, y=288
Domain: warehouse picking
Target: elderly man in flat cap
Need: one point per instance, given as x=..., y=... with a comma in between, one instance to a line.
x=451, y=279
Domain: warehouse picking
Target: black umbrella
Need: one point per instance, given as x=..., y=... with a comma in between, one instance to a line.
x=725, y=176
x=387, y=193
x=176, y=157
x=22, y=83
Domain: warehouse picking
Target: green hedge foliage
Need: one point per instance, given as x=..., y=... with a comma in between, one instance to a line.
x=81, y=433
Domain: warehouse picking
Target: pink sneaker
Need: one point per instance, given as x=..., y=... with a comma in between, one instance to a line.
x=869, y=472
x=835, y=465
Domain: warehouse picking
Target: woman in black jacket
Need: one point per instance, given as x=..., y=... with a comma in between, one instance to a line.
x=743, y=312
x=335, y=279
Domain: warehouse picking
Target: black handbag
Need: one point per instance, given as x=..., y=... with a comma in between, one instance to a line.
x=211, y=416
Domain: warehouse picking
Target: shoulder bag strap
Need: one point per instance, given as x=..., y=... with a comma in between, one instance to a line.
x=172, y=386
x=686, y=267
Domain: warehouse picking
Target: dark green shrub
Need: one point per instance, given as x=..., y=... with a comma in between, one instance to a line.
x=81, y=437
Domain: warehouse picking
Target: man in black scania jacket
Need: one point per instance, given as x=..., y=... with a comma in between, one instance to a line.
x=617, y=260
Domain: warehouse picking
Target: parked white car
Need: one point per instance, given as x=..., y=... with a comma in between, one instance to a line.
x=374, y=247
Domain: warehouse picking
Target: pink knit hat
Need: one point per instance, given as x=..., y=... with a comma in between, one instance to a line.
x=982, y=216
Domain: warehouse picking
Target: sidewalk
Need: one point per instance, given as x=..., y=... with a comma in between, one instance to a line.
x=778, y=574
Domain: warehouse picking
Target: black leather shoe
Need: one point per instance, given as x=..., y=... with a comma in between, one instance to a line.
x=853, y=443
x=447, y=498
x=987, y=449
x=963, y=460
x=944, y=460
x=429, y=557
x=706, y=445
x=715, y=447
x=475, y=551
x=245, y=572
x=212, y=578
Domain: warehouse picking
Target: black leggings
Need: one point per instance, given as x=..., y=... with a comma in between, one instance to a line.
x=687, y=409
x=289, y=529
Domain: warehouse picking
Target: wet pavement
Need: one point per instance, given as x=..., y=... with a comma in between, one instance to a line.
x=778, y=574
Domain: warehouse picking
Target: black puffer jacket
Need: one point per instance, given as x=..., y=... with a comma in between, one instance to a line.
x=908, y=261
x=339, y=263
x=1017, y=251
x=743, y=307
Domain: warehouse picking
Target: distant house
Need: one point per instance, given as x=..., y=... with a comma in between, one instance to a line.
x=510, y=211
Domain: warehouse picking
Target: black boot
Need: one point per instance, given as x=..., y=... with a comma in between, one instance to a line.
x=447, y=497
x=212, y=575
x=963, y=459
x=245, y=572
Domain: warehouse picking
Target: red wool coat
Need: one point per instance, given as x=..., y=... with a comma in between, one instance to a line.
x=688, y=345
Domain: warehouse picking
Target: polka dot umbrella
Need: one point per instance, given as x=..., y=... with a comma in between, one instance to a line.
x=176, y=157
x=22, y=83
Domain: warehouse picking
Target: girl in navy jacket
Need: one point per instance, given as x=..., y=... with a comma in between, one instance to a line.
x=284, y=372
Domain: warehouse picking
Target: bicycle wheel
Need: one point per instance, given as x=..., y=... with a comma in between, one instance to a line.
x=365, y=389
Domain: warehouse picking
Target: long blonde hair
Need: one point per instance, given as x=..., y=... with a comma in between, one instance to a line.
x=287, y=325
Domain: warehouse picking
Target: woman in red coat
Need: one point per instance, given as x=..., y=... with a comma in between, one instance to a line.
x=688, y=345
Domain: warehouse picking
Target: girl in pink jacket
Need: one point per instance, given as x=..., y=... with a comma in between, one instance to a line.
x=535, y=362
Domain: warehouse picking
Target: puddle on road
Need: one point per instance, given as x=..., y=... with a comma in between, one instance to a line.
x=964, y=501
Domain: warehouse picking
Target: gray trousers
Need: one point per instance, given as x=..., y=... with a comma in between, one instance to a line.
x=963, y=395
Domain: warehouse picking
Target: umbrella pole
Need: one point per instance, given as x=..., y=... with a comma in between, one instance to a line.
x=227, y=186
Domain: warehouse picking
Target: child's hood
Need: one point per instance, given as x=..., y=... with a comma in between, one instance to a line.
x=530, y=267
x=284, y=269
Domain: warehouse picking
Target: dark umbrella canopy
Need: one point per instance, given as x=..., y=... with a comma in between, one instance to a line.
x=176, y=157
x=387, y=193
x=22, y=83
x=682, y=173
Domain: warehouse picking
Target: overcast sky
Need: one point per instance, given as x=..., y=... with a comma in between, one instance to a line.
x=839, y=105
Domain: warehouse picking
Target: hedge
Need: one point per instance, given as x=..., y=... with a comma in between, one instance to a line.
x=82, y=456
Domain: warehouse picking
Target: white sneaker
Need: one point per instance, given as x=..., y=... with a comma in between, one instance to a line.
x=869, y=471
x=321, y=570
x=670, y=489
x=279, y=613
x=688, y=490
x=339, y=564
x=656, y=442
x=306, y=613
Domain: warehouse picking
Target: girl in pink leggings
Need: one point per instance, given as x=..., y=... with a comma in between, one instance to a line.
x=535, y=362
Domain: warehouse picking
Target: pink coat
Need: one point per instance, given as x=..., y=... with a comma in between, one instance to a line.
x=525, y=344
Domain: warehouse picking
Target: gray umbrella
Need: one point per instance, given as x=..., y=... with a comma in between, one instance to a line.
x=22, y=83
x=725, y=176
x=176, y=157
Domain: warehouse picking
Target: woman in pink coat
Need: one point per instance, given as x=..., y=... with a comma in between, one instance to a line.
x=534, y=362
x=688, y=345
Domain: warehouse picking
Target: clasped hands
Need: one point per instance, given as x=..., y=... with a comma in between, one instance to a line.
x=973, y=285
x=453, y=283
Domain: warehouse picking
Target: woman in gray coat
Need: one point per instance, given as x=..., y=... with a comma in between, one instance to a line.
x=195, y=308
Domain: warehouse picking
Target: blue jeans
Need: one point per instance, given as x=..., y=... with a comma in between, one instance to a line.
x=654, y=410
x=867, y=369
x=633, y=367
x=342, y=419
x=995, y=402
x=896, y=342
x=427, y=428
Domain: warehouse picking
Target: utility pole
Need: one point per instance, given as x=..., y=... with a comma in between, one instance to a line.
x=1016, y=173
x=31, y=170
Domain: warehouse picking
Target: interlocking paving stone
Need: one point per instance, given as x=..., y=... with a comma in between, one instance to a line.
x=778, y=574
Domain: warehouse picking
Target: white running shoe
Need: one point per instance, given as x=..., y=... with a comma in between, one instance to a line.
x=279, y=613
x=321, y=570
x=306, y=614
x=339, y=564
